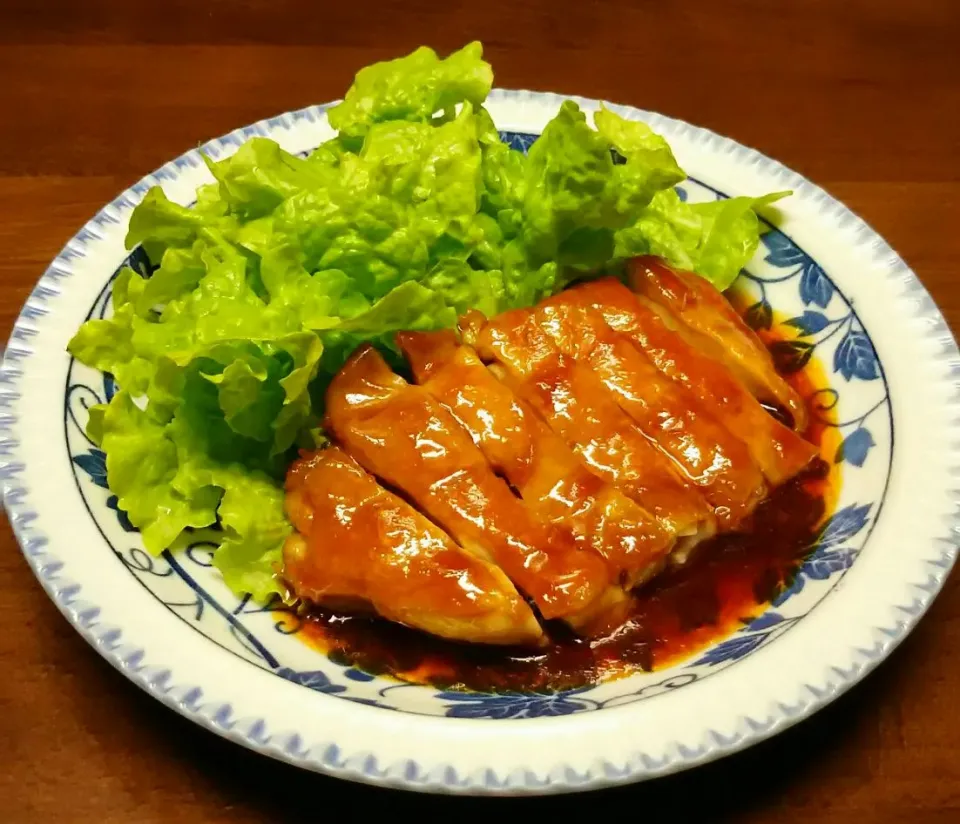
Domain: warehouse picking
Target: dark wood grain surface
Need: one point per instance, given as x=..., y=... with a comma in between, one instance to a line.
x=863, y=97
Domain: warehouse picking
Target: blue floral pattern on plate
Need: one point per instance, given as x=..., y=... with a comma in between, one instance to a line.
x=785, y=280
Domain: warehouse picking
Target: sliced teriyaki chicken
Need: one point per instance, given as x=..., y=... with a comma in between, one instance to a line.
x=537, y=463
x=400, y=434
x=359, y=547
x=779, y=451
x=681, y=426
x=705, y=317
x=577, y=406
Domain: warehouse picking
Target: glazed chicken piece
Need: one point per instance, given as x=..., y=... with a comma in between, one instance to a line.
x=577, y=406
x=400, y=434
x=779, y=451
x=372, y=550
x=681, y=426
x=708, y=321
x=537, y=463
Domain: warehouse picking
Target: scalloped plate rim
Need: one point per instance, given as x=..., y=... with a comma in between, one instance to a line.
x=442, y=776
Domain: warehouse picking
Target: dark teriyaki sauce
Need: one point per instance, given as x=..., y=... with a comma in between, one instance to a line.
x=723, y=586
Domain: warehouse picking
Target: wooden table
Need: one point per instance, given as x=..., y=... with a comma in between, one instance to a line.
x=862, y=97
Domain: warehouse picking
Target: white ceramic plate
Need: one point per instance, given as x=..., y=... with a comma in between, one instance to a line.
x=889, y=368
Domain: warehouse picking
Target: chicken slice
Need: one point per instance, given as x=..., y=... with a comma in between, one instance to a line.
x=399, y=433
x=779, y=451
x=708, y=321
x=577, y=406
x=540, y=466
x=359, y=546
x=675, y=420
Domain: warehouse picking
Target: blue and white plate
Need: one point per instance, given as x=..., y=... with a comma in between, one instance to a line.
x=888, y=368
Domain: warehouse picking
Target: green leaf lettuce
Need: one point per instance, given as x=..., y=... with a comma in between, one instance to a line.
x=414, y=213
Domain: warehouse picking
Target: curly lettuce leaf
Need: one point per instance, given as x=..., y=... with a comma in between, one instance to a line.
x=730, y=235
x=107, y=344
x=255, y=527
x=168, y=483
x=261, y=175
x=141, y=465
x=650, y=166
x=570, y=203
x=412, y=88
x=576, y=197
x=714, y=239
x=159, y=219
x=503, y=171
x=407, y=201
x=409, y=306
x=263, y=386
x=250, y=516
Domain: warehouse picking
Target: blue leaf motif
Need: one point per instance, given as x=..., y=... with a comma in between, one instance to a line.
x=733, y=649
x=796, y=585
x=826, y=560
x=518, y=140
x=114, y=504
x=791, y=356
x=815, y=286
x=842, y=525
x=681, y=193
x=781, y=251
x=316, y=680
x=94, y=463
x=855, y=357
x=821, y=566
x=855, y=447
x=511, y=705
x=109, y=386
x=140, y=263
x=765, y=621
x=357, y=675
x=759, y=316
x=809, y=323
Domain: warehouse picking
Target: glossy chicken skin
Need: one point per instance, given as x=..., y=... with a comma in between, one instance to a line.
x=539, y=465
x=779, y=451
x=708, y=321
x=402, y=435
x=576, y=405
x=706, y=453
x=370, y=549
